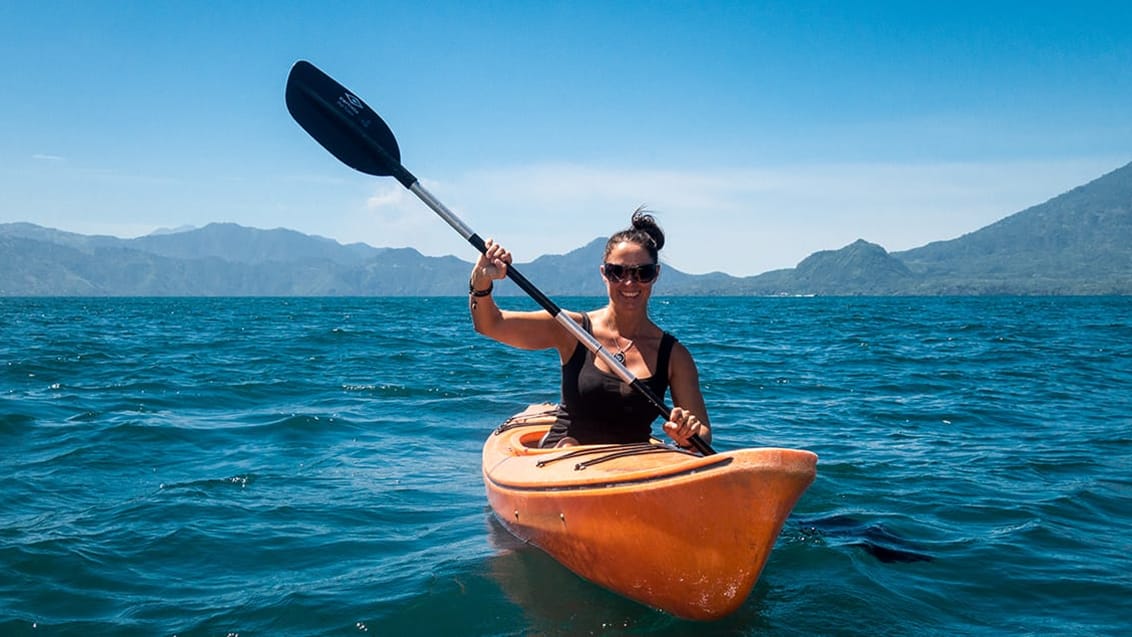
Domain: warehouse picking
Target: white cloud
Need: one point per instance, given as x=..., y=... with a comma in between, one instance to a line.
x=387, y=198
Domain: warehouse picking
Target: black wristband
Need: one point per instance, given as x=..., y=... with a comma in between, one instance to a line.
x=474, y=292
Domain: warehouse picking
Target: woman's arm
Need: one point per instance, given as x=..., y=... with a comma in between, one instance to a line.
x=525, y=330
x=689, y=417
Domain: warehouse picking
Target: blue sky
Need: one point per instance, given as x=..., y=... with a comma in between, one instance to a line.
x=759, y=132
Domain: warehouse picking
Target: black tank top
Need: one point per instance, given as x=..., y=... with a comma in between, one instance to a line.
x=598, y=408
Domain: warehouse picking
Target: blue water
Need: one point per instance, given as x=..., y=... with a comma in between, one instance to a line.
x=311, y=467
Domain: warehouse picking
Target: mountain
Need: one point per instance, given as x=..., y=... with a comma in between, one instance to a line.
x=1079, y=242
x=185, y=228
x=248, y=245
x=861, y=266
x=220, y=259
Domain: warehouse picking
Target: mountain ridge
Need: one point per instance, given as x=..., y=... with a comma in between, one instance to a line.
x=1079, y=242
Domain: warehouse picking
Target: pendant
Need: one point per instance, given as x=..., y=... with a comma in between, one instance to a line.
x=620, y=356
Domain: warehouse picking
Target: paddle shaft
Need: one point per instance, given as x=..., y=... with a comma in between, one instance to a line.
x=340, y=111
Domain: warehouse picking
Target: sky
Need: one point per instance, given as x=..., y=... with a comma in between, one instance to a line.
x=757, y=132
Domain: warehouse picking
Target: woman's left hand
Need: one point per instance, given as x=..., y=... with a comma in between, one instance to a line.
x=682, y=425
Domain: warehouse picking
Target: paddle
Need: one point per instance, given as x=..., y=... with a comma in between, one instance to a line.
x=357, y=136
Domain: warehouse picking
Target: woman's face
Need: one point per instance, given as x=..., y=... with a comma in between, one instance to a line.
x=634, y=285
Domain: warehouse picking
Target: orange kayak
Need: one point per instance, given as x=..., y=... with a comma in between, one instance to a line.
x=683, y=533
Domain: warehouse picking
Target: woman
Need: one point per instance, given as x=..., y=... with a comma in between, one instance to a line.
x=597, y=407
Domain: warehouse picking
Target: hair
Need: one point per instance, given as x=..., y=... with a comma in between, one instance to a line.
x=643, y=231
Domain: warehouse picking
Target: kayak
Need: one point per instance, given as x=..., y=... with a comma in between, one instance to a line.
x=676, y=531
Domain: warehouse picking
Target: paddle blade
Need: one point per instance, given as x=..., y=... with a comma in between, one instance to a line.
x=343, y=123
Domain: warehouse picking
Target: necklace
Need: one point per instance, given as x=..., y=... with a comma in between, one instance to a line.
x=620, y=355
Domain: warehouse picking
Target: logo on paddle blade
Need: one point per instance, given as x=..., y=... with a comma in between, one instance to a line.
x=351, y=104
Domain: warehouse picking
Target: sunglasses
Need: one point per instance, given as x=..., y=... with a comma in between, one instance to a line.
x=616, y=273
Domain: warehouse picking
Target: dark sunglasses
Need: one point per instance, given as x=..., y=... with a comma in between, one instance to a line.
x=616, y=273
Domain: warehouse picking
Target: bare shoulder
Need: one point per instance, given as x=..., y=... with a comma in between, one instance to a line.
x=681, y=361
x=576, y=316
x=679, y=351
x=564, y=340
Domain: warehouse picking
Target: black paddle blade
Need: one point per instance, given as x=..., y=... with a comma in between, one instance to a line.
x=343, y=124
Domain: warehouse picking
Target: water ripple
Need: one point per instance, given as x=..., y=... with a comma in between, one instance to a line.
x=311, y=466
